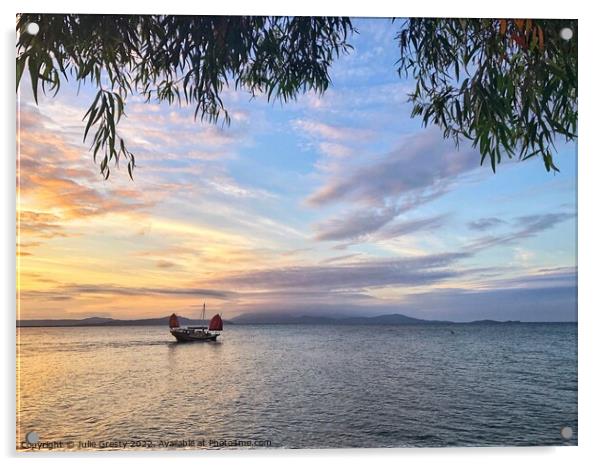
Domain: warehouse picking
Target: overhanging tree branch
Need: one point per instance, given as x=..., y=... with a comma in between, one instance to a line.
x=187, y=59
x=508, y=85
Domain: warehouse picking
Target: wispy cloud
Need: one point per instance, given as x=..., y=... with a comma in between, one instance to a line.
x=421, y=162
x=74, y=290
x=44, y=225
x=486, y=223
x=354, y=225
x=524, y=227
x=364, y=223
x=538, y=278
x=331, y=132
x=412, y=271
x=374, y=225
x=332, y=149
x=412, y=226
x=163, y=264
x=58, y=183
x=343, y=258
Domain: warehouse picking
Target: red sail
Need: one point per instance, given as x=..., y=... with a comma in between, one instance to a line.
x=173, y=321
x=216, y=323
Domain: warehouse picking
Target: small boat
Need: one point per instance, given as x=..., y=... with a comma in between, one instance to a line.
x=196, y=333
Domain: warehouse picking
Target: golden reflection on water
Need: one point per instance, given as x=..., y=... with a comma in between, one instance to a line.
x=100, y=377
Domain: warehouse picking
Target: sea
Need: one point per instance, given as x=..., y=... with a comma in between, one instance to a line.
x=297, y=386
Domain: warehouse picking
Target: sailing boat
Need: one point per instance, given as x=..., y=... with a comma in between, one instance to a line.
x=196, y=333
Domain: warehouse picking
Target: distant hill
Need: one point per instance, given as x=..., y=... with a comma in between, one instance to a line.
x=388, y=319
x=250, y=319
x=106, y=322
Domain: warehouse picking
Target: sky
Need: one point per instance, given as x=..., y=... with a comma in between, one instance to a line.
x=339, y=204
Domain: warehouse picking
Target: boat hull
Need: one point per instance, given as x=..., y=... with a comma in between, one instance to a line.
x=184, y=336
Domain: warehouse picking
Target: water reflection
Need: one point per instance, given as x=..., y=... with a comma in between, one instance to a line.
x=303, y=386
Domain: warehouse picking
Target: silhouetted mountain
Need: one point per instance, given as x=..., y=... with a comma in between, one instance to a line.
x=107, y=322
x=275, y=318
x=489, y=321
x=90, y=321
x=251, y=319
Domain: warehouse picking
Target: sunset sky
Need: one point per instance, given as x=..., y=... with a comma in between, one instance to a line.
x=333, y=205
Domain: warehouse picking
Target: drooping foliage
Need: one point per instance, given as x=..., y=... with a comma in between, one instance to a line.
x=508, y=85
x=175, y=59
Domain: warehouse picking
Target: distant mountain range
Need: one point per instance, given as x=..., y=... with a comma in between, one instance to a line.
x=386, y=319
x=248, y=319
x=106, y=322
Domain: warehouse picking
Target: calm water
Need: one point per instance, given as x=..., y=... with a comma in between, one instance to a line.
x=300, y=386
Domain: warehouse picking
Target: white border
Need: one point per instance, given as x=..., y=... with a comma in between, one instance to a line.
x=590, y=174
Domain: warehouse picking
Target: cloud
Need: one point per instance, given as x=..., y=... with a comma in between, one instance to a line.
x=369, y=225
x=53, y=190
x=333, y=149
x=331, y=132
x=163, y=264
x=412, y=226
x=540, y=278
x=354, y=225
x=177, y=128
x=224, y=184
x=332, y=141
x=543, y=295
x=107, y=289
x=24, y=248
x=44, y=225
x=363, y=224
x=365, y=102
x=549, y=304
x=59, y=183
x=424, y=161
x=535, y=223
x=485, y=223
x=411, y=271
x=525, y=227
x=342, y=258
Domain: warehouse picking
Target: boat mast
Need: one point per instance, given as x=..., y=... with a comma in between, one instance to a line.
x=203, y=312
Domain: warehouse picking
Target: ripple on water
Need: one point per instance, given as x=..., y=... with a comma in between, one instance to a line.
x=303, y=386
